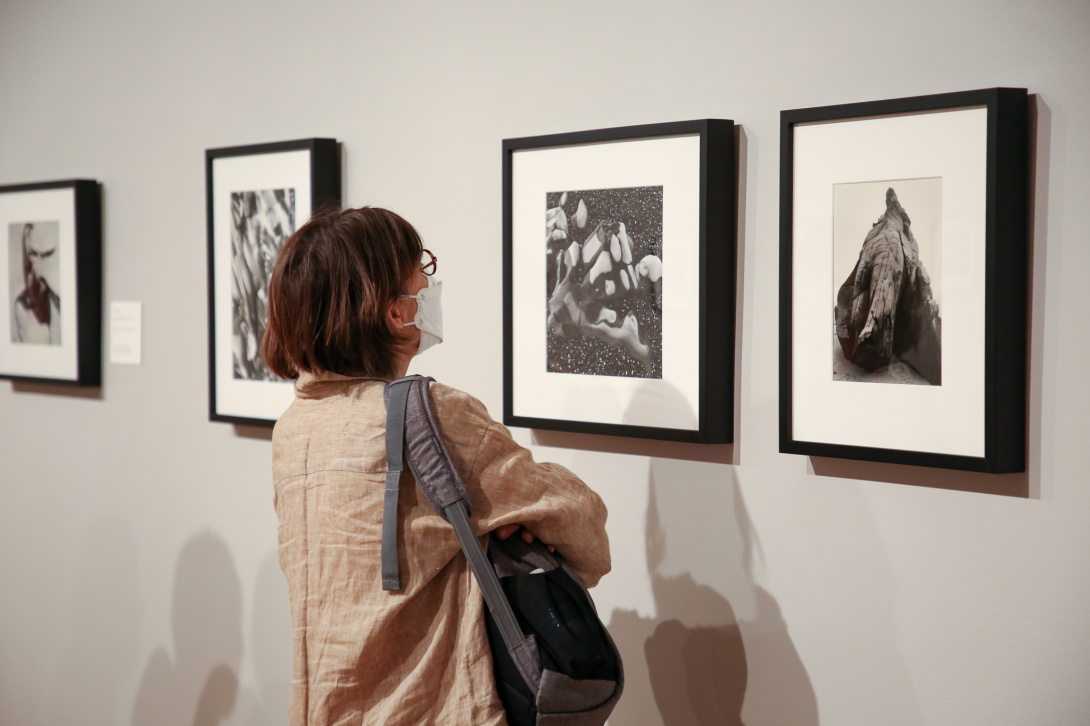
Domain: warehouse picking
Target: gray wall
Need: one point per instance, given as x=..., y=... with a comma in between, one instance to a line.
x=137, y=540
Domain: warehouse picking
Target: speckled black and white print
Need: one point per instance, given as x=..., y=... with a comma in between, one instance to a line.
x=572, y=350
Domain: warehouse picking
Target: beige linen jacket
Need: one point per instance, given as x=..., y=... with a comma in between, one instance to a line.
x=419, y=655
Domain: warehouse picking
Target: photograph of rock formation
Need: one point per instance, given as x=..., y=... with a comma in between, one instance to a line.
x=887, y=305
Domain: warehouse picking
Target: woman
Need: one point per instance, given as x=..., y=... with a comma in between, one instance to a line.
x=346, y=312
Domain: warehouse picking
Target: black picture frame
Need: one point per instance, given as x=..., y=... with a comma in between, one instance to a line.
x=692, y=400
x=983, y=338
x=258, y=190
x=69, y=212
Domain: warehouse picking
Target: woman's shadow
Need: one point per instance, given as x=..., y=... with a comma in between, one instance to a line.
x=718, y=644
x=199, y=685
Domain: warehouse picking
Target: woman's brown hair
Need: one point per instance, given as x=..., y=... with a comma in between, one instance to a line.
x=330, y=288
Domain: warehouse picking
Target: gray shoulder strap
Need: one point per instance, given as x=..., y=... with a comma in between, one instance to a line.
x=412, y=433
x=430, y=463
x=425, y=451
x=488, y=580
x=395, y=437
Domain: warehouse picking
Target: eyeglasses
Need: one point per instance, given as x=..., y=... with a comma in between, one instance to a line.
x=429, y=263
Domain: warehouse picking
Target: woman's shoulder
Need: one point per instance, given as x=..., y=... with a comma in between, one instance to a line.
x=464, y=423
x=458, y=408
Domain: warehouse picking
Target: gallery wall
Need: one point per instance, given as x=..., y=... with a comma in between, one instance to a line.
x=138, y=574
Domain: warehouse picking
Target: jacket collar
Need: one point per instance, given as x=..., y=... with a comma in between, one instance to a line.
x=322, y=385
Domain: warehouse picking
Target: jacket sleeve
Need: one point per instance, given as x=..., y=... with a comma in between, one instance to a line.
x=506, y=486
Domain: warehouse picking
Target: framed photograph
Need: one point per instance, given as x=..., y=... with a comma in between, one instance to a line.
x=903, y=280
x=622, y=321
x=257, y=197
x=51, y=280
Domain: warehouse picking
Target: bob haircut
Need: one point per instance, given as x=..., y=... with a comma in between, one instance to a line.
x=330, y=288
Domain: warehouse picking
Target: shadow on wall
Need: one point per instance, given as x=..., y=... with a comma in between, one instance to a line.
x=690, y=664
x=106, y=627
x=270, y=639
x=200, y=685
x=1039, y=398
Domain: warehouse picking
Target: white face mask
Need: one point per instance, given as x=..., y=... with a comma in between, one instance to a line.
x=429, y=314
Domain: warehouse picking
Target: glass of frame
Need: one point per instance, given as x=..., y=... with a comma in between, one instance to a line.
x=622, y=322
x=257, y=197
x=51, y=282
x=903, y=282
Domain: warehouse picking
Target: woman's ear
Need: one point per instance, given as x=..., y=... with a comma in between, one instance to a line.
x=400, y=317
x=395, y=315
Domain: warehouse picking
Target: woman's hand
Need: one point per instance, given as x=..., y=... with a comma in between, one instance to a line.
x=527, y=536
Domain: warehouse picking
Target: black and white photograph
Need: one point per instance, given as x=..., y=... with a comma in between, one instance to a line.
x=604, y=281
x=257, y=197
x=34, y=276
x=624, y=323
x=51, y=282
x=887, y=267
x=261, y=222
x=903, y=243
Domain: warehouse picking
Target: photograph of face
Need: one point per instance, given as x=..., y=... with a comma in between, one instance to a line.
x=34, y=279
x=604, y=282
x=261, y=222
x=887, y=286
